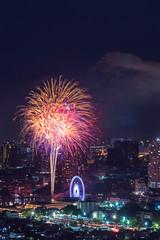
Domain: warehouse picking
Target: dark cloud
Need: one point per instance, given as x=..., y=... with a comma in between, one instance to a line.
x=128, y=89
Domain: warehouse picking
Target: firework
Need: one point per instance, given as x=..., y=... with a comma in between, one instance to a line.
x=58, y=116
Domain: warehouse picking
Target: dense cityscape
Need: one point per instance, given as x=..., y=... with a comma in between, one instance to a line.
x=80, y=120
x=121, y=179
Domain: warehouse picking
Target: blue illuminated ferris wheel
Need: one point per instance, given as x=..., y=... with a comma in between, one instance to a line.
x=76, y=188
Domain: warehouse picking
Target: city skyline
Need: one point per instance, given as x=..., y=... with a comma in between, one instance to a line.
x=79, y=120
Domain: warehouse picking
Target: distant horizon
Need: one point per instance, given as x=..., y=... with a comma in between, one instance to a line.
x=104, y=137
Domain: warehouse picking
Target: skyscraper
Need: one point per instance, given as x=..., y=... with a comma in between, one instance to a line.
x=25, y=154
x=9, y=155
x=154, y=165
x=70, y=167
x=69, y=170
x=124, y=154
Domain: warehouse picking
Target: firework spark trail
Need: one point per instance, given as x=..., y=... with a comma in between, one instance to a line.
x=59, y=115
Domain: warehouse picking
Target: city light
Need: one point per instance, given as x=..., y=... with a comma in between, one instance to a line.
x=115, y=229
x=76, y=188
x=146, y=223
x=157, y=225
x=32, y=213
x=81, y=158
x=58, y=116
x=54, y=214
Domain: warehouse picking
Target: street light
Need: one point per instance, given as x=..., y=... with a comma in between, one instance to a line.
x=146, y=223
x=156, y=225
x=32, y=213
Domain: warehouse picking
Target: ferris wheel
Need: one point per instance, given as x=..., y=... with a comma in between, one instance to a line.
x=76, y=188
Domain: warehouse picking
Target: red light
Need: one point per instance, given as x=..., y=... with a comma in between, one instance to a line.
x=115, y=229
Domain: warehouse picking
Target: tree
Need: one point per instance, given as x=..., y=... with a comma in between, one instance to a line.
x=129, y=210
x=72, y=210
x=81, y=221
x=155, y=225
x=74, y=224
x=96, y=220
x=27, y=212
x=156, y=218
x=135, y=223
x=38, y=211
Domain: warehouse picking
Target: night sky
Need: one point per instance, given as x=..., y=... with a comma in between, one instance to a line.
x=111, y=48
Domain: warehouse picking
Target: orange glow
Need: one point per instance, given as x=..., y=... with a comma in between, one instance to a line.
x=58, y=115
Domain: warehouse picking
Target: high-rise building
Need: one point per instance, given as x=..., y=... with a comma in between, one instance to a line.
x=97, y=156
x=42, y=164
x=69, y=166
x=154, y=165
x=124, y=154
x=14, y=154
x=41, y=158
x=25, y=154
x=1, y=156
x=9, y=155
x=69, y=170
x=59, y=180
x=87, y=206
x=140, y=185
